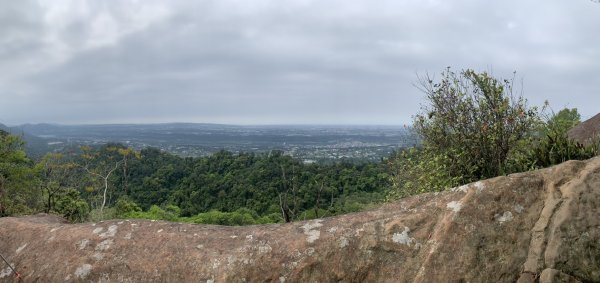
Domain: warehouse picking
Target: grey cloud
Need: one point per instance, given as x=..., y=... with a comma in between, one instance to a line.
x=268, y=61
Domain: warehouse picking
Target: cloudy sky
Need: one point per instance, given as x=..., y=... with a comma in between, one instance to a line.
x=281, y=62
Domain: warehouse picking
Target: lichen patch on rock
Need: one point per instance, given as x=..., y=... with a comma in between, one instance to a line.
x=104, y=245
x=519, y=208
x=5, y=272
x=112, y=230
x=311, y=230
x=505, y=217
x=454, y=205
x=83, y=244
x=403, y=238
x=343, y=241
x=462, y=188
x=83, y=271
x=263, y=249
x=479, y=186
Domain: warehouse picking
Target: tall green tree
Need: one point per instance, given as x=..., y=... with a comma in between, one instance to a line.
x=100, y=166
x=561, y=122
x=17, y=181
x=56, y=174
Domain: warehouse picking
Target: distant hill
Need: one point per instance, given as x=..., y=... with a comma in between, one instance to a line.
x=587, y=131
x=34, y=145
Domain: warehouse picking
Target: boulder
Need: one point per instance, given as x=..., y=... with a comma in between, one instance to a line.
x=587, y=131
x=541, y=226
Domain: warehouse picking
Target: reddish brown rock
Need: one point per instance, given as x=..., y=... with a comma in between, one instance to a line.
x=587, y=131
x=541, y=226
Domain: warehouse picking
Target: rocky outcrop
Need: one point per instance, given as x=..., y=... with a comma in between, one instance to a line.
x=587, y=131
x=541, y=226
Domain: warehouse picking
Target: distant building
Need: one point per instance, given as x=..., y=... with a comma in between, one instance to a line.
x=587, y=131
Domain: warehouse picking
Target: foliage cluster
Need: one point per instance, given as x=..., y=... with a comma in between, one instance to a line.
x=474, y=127
x=225, y=188
x=474, y=120
x=26, y=187
x=417, y=171
x=17, y=191
x=554, y=146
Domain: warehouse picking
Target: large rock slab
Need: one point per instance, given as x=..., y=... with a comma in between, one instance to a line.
x=586, y=132
x=541, y=226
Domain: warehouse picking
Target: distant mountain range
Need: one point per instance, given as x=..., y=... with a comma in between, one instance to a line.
x=309, y=142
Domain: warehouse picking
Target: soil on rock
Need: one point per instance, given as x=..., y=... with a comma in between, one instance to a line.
x=541, y=226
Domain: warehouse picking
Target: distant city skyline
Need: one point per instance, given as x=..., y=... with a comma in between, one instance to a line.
x=269, y=62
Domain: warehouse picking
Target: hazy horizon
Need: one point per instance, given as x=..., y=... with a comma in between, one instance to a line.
x=208, y=123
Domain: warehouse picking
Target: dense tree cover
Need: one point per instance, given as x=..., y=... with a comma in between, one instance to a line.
x=224, y=188
x=17, y=188
x=474, y=127
x=270, y=185
x=27, y=187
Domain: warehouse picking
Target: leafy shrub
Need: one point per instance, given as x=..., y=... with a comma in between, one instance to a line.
x=416, y=171
x=471, y=123
x=100, y=215
x=473, y=127
x=554, y=145
x=72, y=206
x=236, y=218
x=155, y=213
x=125, y=206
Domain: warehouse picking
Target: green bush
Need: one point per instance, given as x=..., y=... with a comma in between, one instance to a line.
x=72, y=206
x=236, y=218
x=556, y=148
x=416, y=171
x=155, y=213
x=551, y=145
x=100, y=215
x=173, y=210
x=473, y=127
x=472, y=123
x=125, y=206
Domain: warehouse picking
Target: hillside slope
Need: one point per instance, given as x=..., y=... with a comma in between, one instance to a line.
x=542, y=226
x=587, y=131
x=35, y=146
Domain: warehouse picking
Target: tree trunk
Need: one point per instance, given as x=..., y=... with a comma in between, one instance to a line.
x=104, y=195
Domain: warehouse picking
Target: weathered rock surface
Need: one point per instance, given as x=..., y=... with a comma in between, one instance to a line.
x=586, y=132
x=541, y=226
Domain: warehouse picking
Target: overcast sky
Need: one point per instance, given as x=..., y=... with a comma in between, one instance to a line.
x=281, y=62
